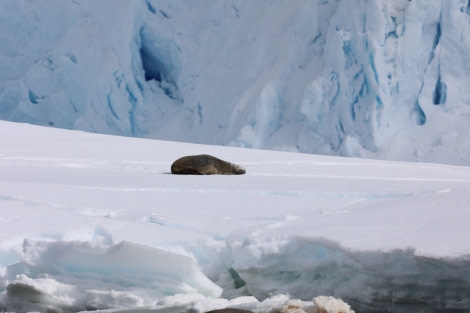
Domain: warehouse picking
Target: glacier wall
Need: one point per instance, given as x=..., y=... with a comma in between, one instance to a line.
x=374, y=78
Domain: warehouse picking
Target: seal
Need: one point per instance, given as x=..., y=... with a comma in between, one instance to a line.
x=230, y=310
x=204, y=164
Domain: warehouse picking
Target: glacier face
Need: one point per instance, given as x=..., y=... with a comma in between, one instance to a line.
x=373, y=78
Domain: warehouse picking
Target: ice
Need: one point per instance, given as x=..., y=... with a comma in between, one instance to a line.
x=331, y=305
x=379, y=79
x=93, y=221
x=76, y=275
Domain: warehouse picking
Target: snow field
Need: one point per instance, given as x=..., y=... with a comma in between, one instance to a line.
x=97, y=222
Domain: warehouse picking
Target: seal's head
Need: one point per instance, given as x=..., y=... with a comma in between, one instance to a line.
x=237, y=169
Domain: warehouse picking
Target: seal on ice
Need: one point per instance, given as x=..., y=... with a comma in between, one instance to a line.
x=204, y=164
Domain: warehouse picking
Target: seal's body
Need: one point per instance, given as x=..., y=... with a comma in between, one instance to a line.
x=230, y=310
x=204, y=164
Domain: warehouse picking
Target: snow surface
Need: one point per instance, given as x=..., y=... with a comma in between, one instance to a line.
x=376, y=78
x=93, y=221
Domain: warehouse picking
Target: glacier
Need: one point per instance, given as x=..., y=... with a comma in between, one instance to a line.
x=374, y=78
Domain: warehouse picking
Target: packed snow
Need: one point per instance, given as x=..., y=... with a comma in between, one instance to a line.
x=381, y=79
x=92, y=221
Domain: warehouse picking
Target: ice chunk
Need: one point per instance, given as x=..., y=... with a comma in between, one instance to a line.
x=324, y=304
x=85, y=275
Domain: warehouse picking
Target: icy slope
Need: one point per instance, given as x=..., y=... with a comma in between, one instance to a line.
x=93, y=221
x=384, y=79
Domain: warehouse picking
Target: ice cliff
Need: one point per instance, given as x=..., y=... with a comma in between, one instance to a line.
x=370, y=78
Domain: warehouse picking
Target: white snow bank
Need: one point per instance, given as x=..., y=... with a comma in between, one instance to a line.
x=81, y=275
x=92, y=221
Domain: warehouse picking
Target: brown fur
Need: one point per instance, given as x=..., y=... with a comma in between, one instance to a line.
x=204, y=164
x=230, y=310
